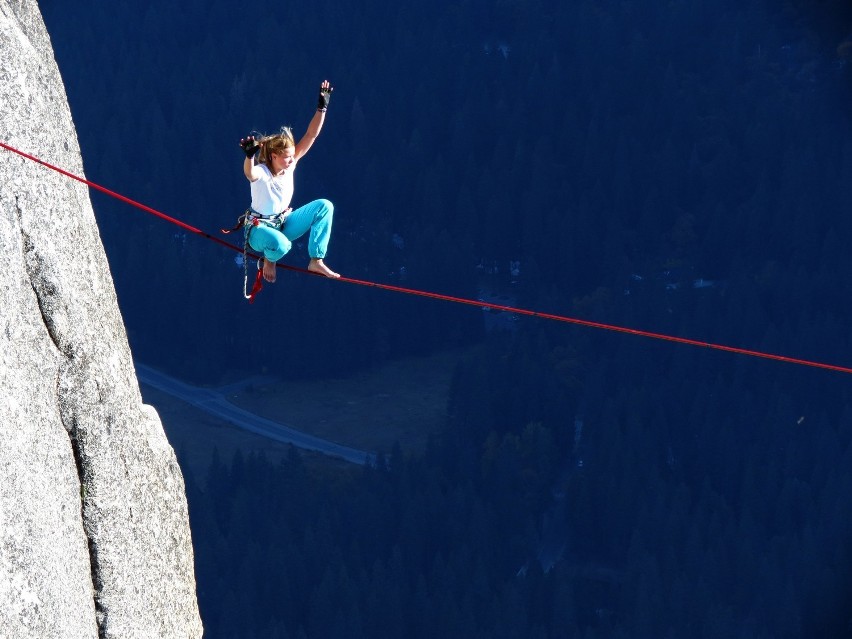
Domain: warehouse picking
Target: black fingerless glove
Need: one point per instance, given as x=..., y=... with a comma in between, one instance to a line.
x=324, y=98
x=249, y=147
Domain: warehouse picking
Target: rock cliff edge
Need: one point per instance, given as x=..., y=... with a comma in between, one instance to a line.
x=94, y=530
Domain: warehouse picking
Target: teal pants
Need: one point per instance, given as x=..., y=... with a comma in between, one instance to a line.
x=315, y=217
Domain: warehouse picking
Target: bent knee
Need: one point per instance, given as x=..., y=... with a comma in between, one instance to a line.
x=280, y=245
x=326, y=205
x=272, y=244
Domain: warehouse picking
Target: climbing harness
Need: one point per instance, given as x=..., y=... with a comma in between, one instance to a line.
x=247, y=221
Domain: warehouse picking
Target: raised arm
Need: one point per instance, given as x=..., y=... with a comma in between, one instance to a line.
x=315, y=126
x=250, y=147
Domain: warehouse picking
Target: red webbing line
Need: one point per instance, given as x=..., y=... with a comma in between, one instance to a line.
x=118, y=196
x=450, y=298
x=608, y=327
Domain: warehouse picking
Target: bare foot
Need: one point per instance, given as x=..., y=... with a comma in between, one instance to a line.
x=269, y=270
x=317, y=266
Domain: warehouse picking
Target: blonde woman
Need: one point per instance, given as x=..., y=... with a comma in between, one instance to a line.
x=269, y=166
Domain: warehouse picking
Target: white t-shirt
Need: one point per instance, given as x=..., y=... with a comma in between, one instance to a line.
x=272, y=194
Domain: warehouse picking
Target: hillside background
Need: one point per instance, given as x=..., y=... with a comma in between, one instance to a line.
x=681, y=167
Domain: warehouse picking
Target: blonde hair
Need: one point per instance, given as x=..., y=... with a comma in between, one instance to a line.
x=275, y=143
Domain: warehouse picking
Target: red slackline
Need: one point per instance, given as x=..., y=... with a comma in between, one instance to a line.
x=448, y=298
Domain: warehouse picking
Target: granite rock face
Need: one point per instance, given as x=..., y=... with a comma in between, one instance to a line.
x=94, y=529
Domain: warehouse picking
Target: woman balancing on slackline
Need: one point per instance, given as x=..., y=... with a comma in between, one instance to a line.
x=274, y=224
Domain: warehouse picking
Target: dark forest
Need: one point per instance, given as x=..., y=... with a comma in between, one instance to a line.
x=682, y=167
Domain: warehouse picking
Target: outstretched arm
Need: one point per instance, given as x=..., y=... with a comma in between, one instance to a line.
x=315, y=126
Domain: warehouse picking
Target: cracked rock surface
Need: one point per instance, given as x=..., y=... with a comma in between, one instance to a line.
x=94, y=529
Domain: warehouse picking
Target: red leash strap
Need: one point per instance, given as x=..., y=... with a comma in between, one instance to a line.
x=258, y=285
